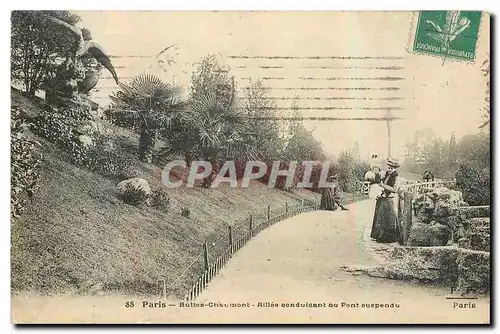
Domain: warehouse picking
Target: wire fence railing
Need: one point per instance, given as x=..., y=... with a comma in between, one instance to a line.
x=217, y=251
x=215, y=246
x=238, y=237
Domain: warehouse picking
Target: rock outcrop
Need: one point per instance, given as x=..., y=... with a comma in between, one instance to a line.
x=434, y=217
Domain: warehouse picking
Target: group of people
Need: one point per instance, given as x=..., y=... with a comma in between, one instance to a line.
x=384, y=187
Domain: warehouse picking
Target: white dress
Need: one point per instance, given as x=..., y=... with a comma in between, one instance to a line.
x=375, y=189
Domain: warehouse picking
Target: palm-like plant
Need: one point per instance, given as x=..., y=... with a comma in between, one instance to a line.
x=214, y=130
x=221, y=129
x=147, y=105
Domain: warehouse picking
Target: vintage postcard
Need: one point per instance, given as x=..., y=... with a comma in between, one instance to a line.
x=250, y=167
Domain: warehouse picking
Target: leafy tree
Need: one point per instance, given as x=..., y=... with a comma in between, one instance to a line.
x=301, y=143
x=146, y=105
x=473, y=177
x=303, y=146
x=452, y=153
x=347, y=168
x=39, y=47
x=212, y=77
x=474, y=182
x=36, y=49
x=265, y=135
x=295, y=124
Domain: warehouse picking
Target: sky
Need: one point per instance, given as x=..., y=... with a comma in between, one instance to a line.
x=339, y=64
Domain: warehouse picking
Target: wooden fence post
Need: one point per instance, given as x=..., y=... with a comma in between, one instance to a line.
x=302, y=203
x=231, y=238
x=286, y=207
x=269, y=212
x=205, y=255
x=162, y=283
x=407, y=218
x=251, y=226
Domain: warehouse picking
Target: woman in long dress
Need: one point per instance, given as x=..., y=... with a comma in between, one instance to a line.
x=384, y=227
x=328, y=198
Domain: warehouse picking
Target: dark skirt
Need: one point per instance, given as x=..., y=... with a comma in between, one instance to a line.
x=327, y=201
x=384, y=226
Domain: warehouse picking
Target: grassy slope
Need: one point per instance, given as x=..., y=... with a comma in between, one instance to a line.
x=78, y=237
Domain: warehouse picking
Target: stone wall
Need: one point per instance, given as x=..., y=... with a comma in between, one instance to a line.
x=449, y=243
x=434, y=217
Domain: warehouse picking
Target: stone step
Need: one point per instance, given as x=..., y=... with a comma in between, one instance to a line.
x=479, y=242
x=478, y=234
x=466, y=271
x=479, y=223
x=474, y=211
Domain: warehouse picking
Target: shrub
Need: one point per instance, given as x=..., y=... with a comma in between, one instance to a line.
x=25, y=164
x=473, y=176
x=134, y=195
x=474, y=182
x=105, y=157
x=185, y=212
x=55, y=126
x=160, y=200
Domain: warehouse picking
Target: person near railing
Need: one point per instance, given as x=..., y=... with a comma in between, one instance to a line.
x=385, y=217
x=331, y=197
x=327, y=198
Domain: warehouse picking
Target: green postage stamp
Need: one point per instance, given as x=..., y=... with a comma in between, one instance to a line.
x=448, y=34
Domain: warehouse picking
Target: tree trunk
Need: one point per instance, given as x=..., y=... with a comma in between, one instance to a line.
x=207, y=182
x=146, y=145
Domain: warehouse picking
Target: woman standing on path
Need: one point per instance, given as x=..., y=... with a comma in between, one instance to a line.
x=384, y=227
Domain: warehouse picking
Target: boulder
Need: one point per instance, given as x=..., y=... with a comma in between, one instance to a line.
x=134, y=191
x=474, y=271
x=464, y=270
x=479, y=234
x=440, y=207
x=475, y=211
x=431, y=264
x=433, y=234
x=438, y=204
x=472, y=228
x=85, y=141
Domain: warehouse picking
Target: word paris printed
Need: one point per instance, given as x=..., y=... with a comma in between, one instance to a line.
x=293, y=167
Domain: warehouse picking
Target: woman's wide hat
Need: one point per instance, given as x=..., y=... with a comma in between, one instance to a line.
x=393, y=162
